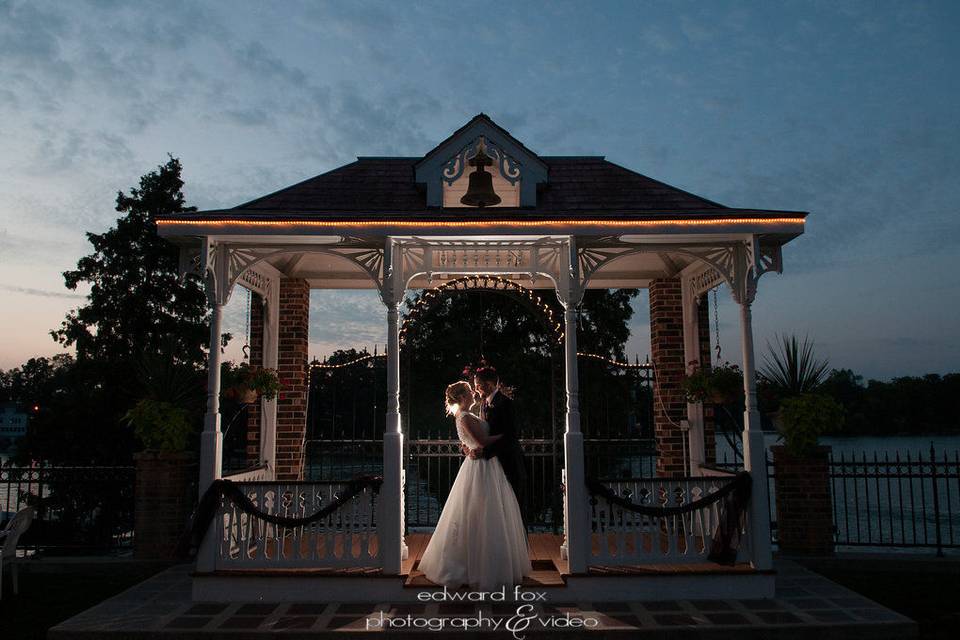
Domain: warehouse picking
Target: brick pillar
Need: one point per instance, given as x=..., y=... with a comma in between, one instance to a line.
x=292, y=370
x=666, y=349
x=254, y=422
x=804, y=507
x=164, y=496
x=706, y=357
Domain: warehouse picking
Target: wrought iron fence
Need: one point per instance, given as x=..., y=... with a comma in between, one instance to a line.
x=432, y=465
x=79, y=509
x=887, y=500
x=904, y=501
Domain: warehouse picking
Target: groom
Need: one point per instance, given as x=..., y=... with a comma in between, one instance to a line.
x=497, y=409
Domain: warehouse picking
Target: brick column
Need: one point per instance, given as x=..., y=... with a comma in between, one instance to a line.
x=292, y=370
x=165, y=493
x=666, y=348
x=706, y=357
x=254, y=421
x=804, y=507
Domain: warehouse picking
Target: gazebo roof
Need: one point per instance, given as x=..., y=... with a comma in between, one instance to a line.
x=375, y=186
x=384, y=188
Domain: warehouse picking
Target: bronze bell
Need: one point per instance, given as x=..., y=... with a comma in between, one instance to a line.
x=480, y=191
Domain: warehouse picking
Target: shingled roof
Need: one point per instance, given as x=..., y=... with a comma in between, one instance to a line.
x=387, y=185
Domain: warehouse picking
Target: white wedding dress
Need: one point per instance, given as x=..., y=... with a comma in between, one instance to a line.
x=480, y=539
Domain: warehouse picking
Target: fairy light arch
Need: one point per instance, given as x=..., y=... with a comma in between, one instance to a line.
x=496, y=284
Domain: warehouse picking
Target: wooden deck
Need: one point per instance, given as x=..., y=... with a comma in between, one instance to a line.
x=549, y=570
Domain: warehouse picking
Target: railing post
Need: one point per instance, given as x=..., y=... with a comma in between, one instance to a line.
x=390, y=524
x=754, y=450
x=936, y=501
x=577, y=532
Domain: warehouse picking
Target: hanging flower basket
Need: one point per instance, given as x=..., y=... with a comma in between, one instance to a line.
x=721, y=384
x=246, y=384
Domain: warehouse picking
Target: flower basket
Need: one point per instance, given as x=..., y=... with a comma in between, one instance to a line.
x=721, y=384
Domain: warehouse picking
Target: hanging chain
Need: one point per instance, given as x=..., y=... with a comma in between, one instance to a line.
x=716, y=322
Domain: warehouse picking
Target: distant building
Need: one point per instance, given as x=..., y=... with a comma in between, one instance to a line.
x=13, y=422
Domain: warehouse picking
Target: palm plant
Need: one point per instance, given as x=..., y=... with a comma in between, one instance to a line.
x=791, y=367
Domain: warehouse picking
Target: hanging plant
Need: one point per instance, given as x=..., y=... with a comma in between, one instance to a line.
x=246, y=384
x=721, y=384
x=266, y=383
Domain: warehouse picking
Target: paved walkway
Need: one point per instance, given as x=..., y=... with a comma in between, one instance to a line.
x=806, y=606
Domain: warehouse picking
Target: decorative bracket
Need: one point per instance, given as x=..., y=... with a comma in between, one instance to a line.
x=509, y=167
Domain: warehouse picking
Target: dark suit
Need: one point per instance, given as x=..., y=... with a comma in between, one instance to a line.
x=499, y=415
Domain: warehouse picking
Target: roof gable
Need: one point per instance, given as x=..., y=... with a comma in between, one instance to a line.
x=449, y=157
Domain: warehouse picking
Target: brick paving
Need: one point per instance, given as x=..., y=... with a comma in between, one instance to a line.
x=806, y=605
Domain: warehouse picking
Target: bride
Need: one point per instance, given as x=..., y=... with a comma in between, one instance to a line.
x=480, y=539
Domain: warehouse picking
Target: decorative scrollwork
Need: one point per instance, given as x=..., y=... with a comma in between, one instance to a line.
x=508, y=166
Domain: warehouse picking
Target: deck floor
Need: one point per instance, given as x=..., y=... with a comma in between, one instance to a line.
x=806, y=605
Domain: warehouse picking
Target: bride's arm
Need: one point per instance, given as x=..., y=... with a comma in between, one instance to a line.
x=473, y=426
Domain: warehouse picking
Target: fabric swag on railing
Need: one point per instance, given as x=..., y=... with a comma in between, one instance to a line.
x=726, y=539
x=207, y=509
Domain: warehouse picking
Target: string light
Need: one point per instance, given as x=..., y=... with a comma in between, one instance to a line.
x=532, y=297
x=616, y=363
x=592, y=356
x=482, y=224
x=324, y=365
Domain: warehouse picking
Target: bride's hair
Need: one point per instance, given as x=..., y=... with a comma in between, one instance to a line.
x=454, y=395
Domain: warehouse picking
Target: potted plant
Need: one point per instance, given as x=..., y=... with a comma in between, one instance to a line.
x=721, y=384
x=790, y=368
x=265, y=383
x=802, y=474
x=804, y=419
x=245, y=383
x=160, y=425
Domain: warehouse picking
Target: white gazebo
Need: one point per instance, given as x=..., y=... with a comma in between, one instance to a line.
x=566, y=223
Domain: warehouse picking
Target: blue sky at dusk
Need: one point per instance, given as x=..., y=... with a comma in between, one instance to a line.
x=848, y=110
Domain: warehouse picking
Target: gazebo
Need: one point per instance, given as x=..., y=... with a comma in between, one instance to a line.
x=567, y=223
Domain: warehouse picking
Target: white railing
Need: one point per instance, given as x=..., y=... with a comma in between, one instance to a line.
x=624, y=537
x=259, y=473
x=344, y=538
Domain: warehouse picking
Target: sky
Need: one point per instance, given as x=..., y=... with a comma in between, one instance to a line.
x=848, y=110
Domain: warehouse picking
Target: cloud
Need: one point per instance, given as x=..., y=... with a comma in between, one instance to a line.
x=41, y=292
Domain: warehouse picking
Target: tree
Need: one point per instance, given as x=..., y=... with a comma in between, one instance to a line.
x=137, y=307
x=136, y=297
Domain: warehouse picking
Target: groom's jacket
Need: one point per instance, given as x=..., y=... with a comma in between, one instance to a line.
x=499, y=415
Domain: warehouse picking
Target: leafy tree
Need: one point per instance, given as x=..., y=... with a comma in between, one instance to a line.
x=136, y=298
x=137, y=308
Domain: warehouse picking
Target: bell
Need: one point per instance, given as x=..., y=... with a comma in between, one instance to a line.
x=480, y=191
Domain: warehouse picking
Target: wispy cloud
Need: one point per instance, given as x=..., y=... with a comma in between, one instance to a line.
x=41, y=292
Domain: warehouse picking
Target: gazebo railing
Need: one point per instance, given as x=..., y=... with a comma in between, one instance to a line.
x=345, y=538
x=621, y=536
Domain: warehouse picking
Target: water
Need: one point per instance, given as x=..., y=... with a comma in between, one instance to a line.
x=890, y=445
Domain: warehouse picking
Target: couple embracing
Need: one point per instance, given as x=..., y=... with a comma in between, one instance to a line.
x=480, y=540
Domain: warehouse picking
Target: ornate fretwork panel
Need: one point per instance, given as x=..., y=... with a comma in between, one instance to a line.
x=435, y=258
x=508, y=167
x=224, y=265
x=738, y=264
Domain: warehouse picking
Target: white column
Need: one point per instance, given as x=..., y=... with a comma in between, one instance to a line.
x=754, y=449
x=691, y=352
x=390, y=529
x=211, y=440
x=268, y=408
x=575, y=505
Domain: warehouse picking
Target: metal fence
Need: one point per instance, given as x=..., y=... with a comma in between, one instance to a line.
x=79, y=509
x=906, y=501
x=887, y=500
